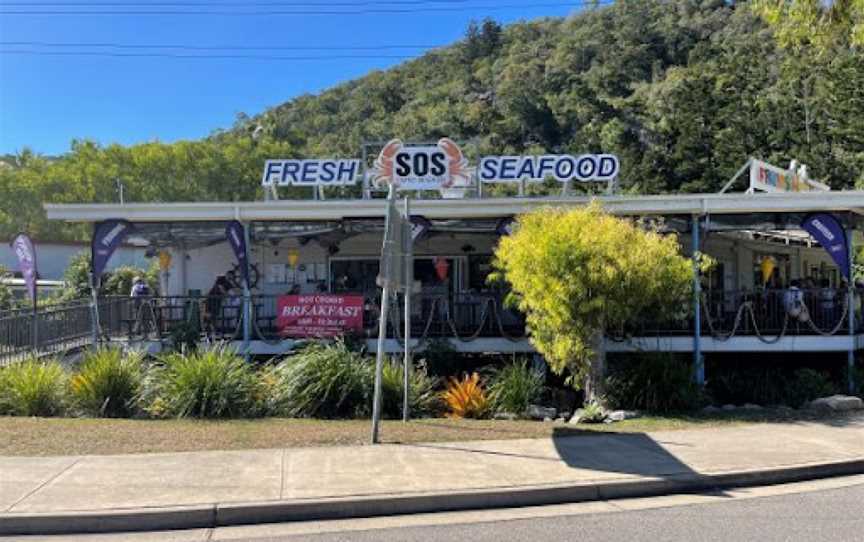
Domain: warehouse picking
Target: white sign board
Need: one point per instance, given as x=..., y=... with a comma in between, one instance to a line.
x=767, y=178
x=325, y=172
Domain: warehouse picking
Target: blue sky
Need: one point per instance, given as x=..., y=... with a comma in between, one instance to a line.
x=46, y=101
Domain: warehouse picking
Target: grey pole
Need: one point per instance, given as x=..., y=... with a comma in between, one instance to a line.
x=94, y=306
x=247, y=296
x=697, y=306
x=382, y=321
x=409, y=283
x=363, y=167
x=850, y=356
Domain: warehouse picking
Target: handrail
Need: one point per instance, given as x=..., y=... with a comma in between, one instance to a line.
x=462, y=316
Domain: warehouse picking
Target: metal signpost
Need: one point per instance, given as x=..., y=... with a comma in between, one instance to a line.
x=408, y=242
x=389, y=279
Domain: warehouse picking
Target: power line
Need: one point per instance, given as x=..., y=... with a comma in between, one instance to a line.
x=416, y=8
x=239, y=4
x=185, y=47
x=203, y=57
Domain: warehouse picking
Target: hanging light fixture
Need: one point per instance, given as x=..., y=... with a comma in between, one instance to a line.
x=767, y=266
x=442, y=268
x=293, y=257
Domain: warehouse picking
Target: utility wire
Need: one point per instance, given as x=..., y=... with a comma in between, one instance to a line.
x=240, y=4
x=205, y=57
x=114, y=45
x=417, y=8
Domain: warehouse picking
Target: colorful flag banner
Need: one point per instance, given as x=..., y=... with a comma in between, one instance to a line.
x=237, y=239
x=828, y=232
x=23, y=247
x=107, y=236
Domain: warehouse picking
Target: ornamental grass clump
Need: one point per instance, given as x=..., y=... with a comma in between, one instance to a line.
x=514, y=387
x=466, y=398
x=108, y=383
x=322, y=381
x=423, y=400
x=210, y=383
x=33, y=388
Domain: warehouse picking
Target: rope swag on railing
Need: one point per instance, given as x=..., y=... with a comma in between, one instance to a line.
x=397, y=320
x=747, y=307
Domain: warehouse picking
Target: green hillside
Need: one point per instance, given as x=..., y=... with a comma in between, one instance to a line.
x=682, y=91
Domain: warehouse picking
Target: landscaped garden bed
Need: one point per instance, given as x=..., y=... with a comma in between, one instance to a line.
x=212, y=399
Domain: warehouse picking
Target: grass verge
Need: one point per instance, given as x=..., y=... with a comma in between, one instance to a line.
x=86, y=436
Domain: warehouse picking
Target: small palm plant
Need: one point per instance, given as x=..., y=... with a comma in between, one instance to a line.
x=466, y=398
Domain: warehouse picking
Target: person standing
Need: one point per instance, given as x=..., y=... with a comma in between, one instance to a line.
x=793, y=302
x=138, y=293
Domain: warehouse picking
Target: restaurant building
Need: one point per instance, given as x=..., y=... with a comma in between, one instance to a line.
x=314, y=262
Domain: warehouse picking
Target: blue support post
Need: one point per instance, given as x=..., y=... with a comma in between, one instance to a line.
x=698, y=362
x=247, y=297
x=850, y=356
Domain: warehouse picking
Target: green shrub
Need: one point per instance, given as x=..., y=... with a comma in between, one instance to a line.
x=592, y=413
x=33, y=388
x=322, y=381
x=809, y=384
x=107, y=383
x=185, y=335
x=761, y=385
x=440, y=357
x=423, y=400
x=513, y=387
x=653, y=382
x=209, y=383
x=770, y=386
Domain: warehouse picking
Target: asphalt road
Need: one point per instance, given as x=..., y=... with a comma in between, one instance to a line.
x=821, y=510
x=832, y=515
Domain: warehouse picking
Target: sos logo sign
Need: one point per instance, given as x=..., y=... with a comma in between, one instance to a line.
x=421, y=165
x=421, y=168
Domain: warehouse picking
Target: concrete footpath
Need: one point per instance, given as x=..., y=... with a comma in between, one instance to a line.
x=43, y=495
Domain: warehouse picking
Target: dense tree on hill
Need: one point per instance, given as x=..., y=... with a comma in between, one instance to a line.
x=684, y=91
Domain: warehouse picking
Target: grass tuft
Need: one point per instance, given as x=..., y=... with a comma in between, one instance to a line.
x=210, y=383
x=33, y=388
x=108, y=383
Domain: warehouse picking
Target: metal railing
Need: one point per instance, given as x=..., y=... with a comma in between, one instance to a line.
x=463, y=316
x=56, y=328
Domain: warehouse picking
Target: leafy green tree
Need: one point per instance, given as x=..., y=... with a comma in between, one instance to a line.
x=814, y=23
x=575, y=273
x=7, y=299
x=682, y=92
x=114, y=283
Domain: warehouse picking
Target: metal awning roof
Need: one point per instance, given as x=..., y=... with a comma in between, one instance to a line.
x=450, y=209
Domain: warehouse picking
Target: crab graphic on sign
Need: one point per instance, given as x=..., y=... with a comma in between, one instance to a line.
x=430, y=167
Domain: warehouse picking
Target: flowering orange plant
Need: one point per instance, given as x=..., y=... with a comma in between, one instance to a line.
x=466, y=398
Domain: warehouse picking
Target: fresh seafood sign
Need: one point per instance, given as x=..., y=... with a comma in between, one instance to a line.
x=429, y=167
x=319, y=315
